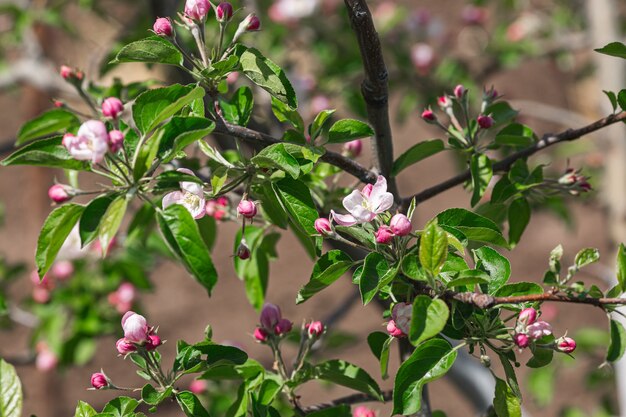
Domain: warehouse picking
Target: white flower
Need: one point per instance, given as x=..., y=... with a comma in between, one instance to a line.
x=191, y=196
x=91, y=142
x=539, y=329
x=290, y=10
x=366, y=204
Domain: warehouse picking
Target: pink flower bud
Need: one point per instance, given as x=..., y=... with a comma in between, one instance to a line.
x=216, y=208
x=444, y=102
x=197, y=9
x=429, y=116
x=251, y=23
x=353, y=148
x=116, y=140
x=243, y=251
x=539, y=329
x=459, y=91
x=527, y=316
x=60, y=193
x=283, y=326
x=384, y=235
x=224, y=12
x=322, y=225
x=474, y=15
x=112, y=107
x=198, y=386
x=99, y=380
x=363, y=411
x=65, y=72
x=163, y=27
x=58, y=103
x=394, y=330
x=261, y=335
x=46, y=360
x=154, y=341
x=400, y=225
x=247, y=209
x=41, y=295
x=315, y=329
x=125, y=347
x=423, y=57
x=566, y=344
x=521, y=340
x=270, y=316
x=62, y=270
x=135, y=327
x=485, y=122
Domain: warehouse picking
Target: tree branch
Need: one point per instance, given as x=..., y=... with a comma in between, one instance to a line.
x=505, y=164
x=333, y=158
x=374, y=88
x=348, y=400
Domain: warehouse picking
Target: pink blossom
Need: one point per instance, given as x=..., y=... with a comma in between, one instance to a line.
x=122, y=298
x=423, y=57
x=261, y=334
x=400, y=225
x=539, y=329
x=154, y=341
x=322, y=226
x=383, y=235
x=62, y=270
x=429, y=116
x=315, y=329
x=99, y=380
x=353, y=148
x=363, y=411
x=112, y=107
x=566, y=344
x=135, y=327
x=190, y=196
x=60, y=193
x=459, y=91
x=198, y=386
x=163, y=27
x=247, y=209
x=365, y=205
x=232, y=78
x=521, y=340
x=46, y=360
x=485, y=122
x=197, y=9
x=251, y=23
x=401, y=314
x=282, y=327
x=527, y=316
x=91, y=143
x=125, y=347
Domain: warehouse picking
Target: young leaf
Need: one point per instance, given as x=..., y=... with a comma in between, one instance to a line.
x=494, y=264
x=46, y=153
x=157, y=105
x=286, y=114
x=428, y=319
x=183, y=237
x=121, y=407
x=518, y=289
x=621, y=99
x=48, y=123
x=318, y=124
x=480, y=167
x=516, y=134
x=84, y=410
x=621, y=267
x=154, y=49
x=618, y=342
x=238, y=109
x=612, y=98
x=505, y=402
x=433, y=248
x=379, y=344
x=55, y=230
x=375, y=275
x=338, y=411
x=111, y=222
x=328, y=269
x=296, y=198
x=90, y=219
x=519, y=217
x=417, y=153
x=191, y=405
x=349, y=129
x=586, y=257
x=428, y=362
x=266, y=74
x=276, y=156
x=10, y=391
x=472, y=226
x=348, y=375
x=616, y=49
x=180, y=132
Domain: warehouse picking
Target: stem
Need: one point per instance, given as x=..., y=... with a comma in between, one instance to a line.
x=197, y=35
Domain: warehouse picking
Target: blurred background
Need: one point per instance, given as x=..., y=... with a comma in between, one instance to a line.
x=537, y=53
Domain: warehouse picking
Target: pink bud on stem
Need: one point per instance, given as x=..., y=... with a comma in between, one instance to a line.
x=384, y=235
x=99, y=380
x=224, y=12
x=400, y=225
x=322, y=226
x=60, y=193
x=247, y=209
x=112, y=107
x=163, y=27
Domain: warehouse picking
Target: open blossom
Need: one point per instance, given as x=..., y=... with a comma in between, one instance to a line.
x=191, y=196
x=366, y=204
x=122, y=298
x=135, y=327
x=91, y=142
x=401, y=314
x=539, y=329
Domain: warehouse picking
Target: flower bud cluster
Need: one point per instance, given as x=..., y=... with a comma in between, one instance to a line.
x=137, y=335
x=529, y=330
x=93, y=141
x=574, y=183
x=272, y=324
x=400, y=225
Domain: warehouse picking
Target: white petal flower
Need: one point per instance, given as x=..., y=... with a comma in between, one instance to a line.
x=191, y=196
x=366, y=204
x=91, y=142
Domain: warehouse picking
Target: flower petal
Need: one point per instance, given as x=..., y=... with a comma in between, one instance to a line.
x=378, y=189
x=175, y=197
x=353, y=201
x=343, y=219
x=383, y=203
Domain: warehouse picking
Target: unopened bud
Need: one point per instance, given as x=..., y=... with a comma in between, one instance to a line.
x=394, y=330
x=444, y=102
x=484, y=121
x=429, y=116
x=197, y=9
x=116, y=140
x=400, y=225
x=261, y=335
x=60, y=193
x=224, y=12
x=247, y=209
x=282, y=327
x=112, y=107
x=353, y=148
x=565, y=344
x=125, y=347
x=527, y=316
x=521, y=340
x=243, y=251
x=315, y=329
x=163, y=27
x=154, y=341
x=322, y=225
x=384, y=235
x=99, y=380
x=459, y=91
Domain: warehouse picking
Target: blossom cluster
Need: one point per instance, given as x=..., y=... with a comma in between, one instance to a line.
x=528, y=330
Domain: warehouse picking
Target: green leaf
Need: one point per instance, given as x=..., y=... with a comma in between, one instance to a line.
x=48, y=123
x=346, y=130
x=480, y=167
x=153, y=397
x=511, y=377
x=318, y=124
x=338, y=411
x=157, y=105
x=90, y=219
x=519, y=217
x=621, y=267
x=621, y=99
x=612, y=98
x=428, y=362
x=296, y=198
x=518, y=288
x=379, y=344
x=154, y=50
x=266, y=74
x=191, y=405
x=170, y=180
x=238, y=109
x=46, y=153
x=121, y=407
x=221, y=354
x=618, y=342
x=472, y=225
x=328, y=269
x=286, y=114
x=468, y=277
x=10, y=391
x=494, y=264
x=276, y=156
x=183, y=237
x=55, y=230
x=82, y=410
x=616, y=49
x=541, y=357
x=516, y=134
x=221, y=68
x=348, y=375
x=417, y=153
x=428, y=319
x=271, y=206
x=505, y=402
x=375, y=275
x=433, y=248
x=111, y=222
x=586, y=257
x=181, y=132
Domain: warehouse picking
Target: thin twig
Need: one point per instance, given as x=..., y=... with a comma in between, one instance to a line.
x=505, y=164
